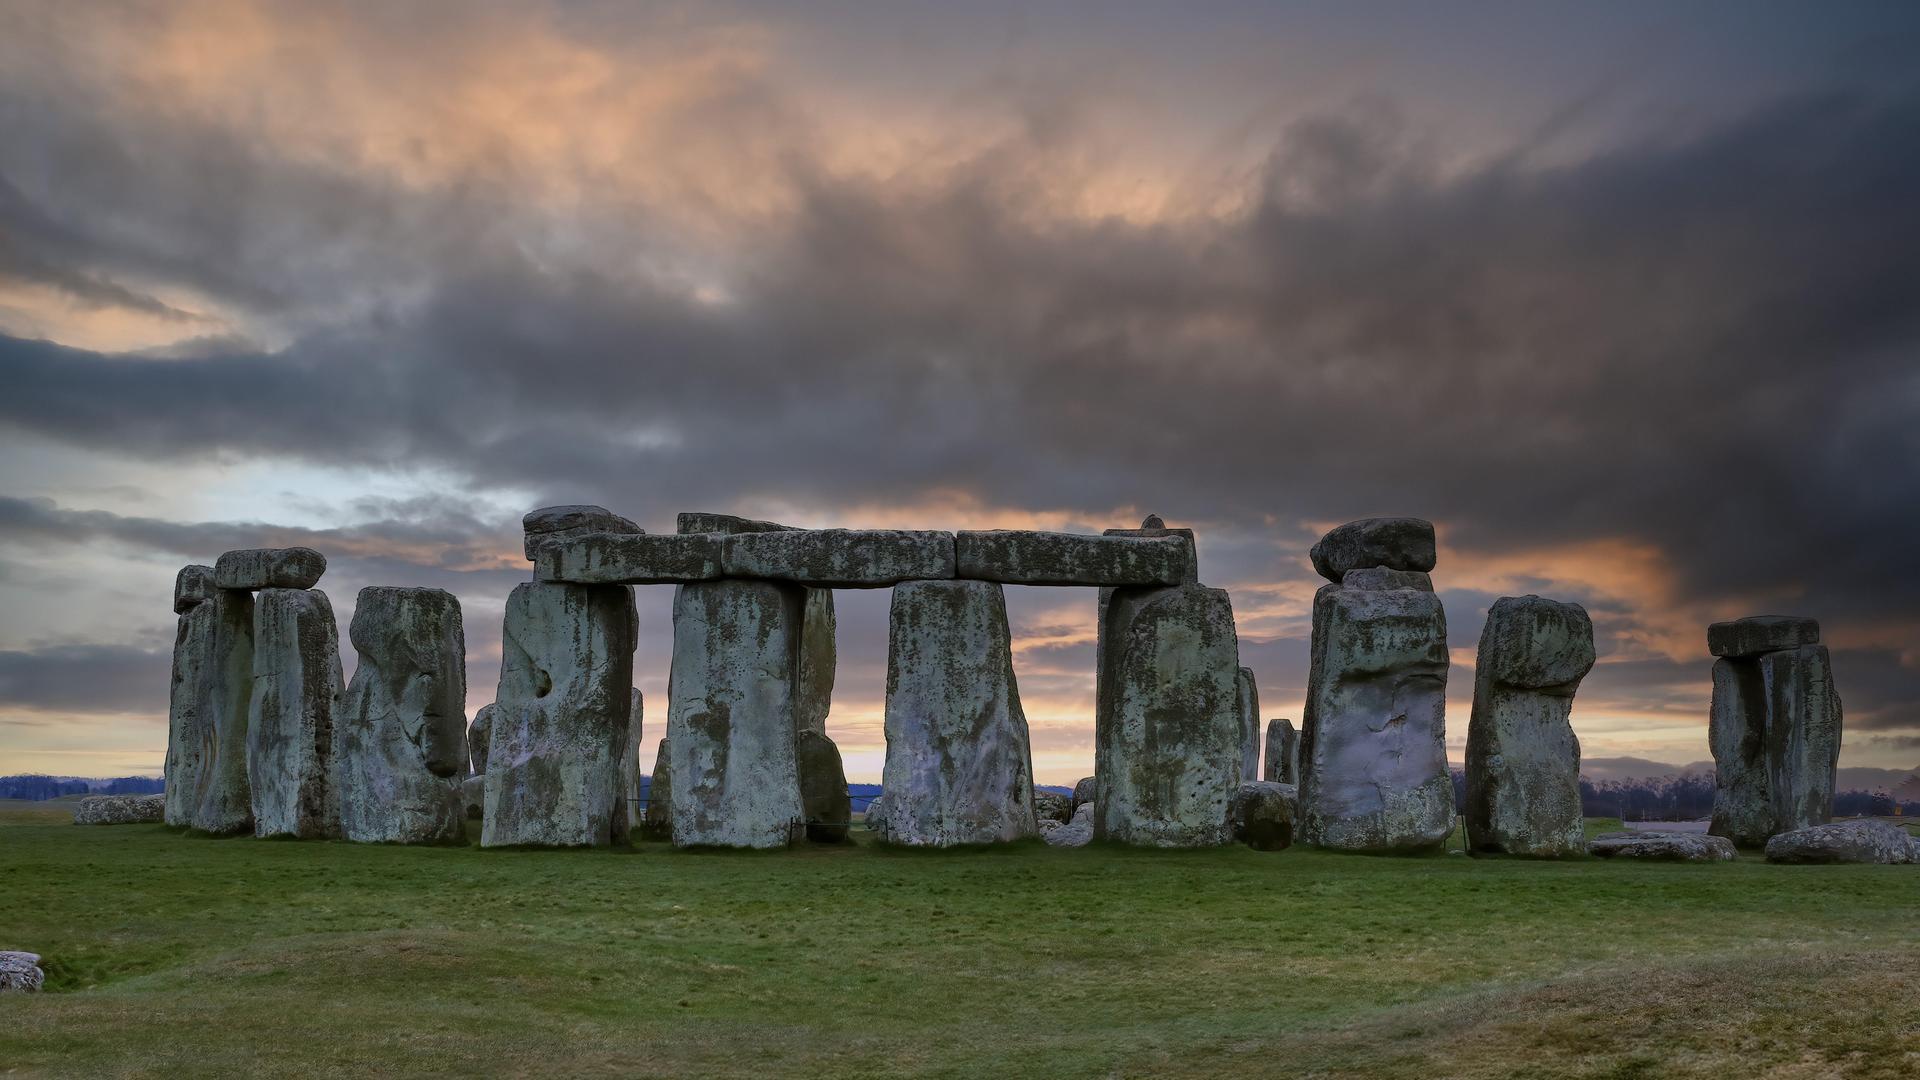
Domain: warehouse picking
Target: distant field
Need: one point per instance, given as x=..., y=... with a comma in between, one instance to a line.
x=169, y=955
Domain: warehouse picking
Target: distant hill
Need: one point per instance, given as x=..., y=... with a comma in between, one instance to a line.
x=36, y=787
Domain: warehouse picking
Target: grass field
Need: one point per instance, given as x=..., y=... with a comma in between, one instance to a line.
x=169, y=955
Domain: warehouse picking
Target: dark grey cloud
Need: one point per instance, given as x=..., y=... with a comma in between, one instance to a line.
x=85, y=678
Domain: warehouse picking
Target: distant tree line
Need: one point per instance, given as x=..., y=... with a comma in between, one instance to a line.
x=37, y=787
x=1688, y=796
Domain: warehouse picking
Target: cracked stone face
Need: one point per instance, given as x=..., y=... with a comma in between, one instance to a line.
x=290, y=717
x=1774, y=727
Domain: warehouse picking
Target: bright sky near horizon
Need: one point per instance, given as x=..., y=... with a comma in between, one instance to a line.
x=1624, y=297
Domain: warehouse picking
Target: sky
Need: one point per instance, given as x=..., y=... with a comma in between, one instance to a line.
x=1624, y=297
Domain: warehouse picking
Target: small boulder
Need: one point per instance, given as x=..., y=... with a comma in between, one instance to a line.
x=20, y=972
x=1263, y=815
x=1082, y=796
x=120, y=809
x=1863, y=840
x=1397, y=543
x=1075, y=833
x=1051, y=806
x=1663, y=846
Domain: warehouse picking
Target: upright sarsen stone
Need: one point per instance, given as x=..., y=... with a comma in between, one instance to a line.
x=224, y=804
x=1373, y=757
x=296, y=687
x=1283, y=753
x=730, y=709
x=560, y=716
x=959, y=768
x=190, y=705
x=1774, y=727
x=1167, y=737
x=631, y=808
x=400, y=747
x=658, y=822
x=478, y=735
x=1247, y=692
x=1803, y=735
x=1523, y=760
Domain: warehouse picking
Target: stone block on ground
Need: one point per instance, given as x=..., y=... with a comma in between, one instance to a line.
x=1862, y=840
x=269, y=568
x=1397, y=543
x=120, y=810
x=1026, y=557
x=1263, y=815
x=290, y=714
x=1663, y=847
x=840, y=558
x=1075, y=833
x=1758, y=634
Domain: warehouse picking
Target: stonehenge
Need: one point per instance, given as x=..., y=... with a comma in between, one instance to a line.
x=290, y=716
x=1774, y=728
x=400, y=747
x=223, y=805
x=190, y=705
x=120, y=809
x=1862, y=840
x=1282, y=753
x=1523, y=760
x=1373, y=760
x=1247, y=694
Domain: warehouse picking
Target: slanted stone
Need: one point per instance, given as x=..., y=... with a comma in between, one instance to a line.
x=1167, y=732
x=630, y=559
x=20, y=973
x=1523, y=759
x=1263, y=815
x=823, y=788
x=478, y=734
x=1663, y=847
x=1283, y=753
x=1397, y=543
x=400, y=736
x=558, y=523
x=290, y=715
x=1024, y=557
x=473, y=796
x=192, y=585
x=1774, y=728
x=1051, y=806
x=120, y=810
x=1862, y=840
x=730, y=730
x=658, y=821
x=560, y=716
x=1380, y=577
x=223, y=805
x=1373, y=763
x=1247, y=694
x=1083, y=792
x=840, y=558
x=269, y=568
x=959, y=767
x=1758, y=634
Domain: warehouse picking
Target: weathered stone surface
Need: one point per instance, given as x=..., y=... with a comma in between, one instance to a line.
x=560, y=716
x=400, y=736
x=1379, y=577
x=1758, y=634
x=296, y=687
x=840, y=558
x=1863, y=840
x=1167, y=731
x=478, y=735
x=1025, y=557
x=1373, y=762
x=1283, y=753
x=473, y=796
x=1523, y=759
x=224, y=803
x=1263, y=815
x=20, y=973
x=558, y=523
x=1774, y=727
x=1397, y=543
x=658, y=822
x=874, y=817
x=1075, y=833
x=192, y=585
x=693, y=521
x=1663, y=847
x=1154, y=528
x=823, y=788
x=629, y=558
x=120, y=809
x=269, y=568
x=1247, y=694
x=1051, y=806
x=631, y=809
x=190, y=711
x=730, y=729
x=959, y=768
x=1083, y=792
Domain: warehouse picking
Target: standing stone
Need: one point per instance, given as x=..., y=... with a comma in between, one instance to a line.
x=189, y=701
x=1803, y=735
x=192, y=586
x=659, y=816
x=1523, y=760
x=560, y=716
x=632, y=810
x=959, y=768
x=1247, y=692
x=1774, y=727
x=478, y=734
x=400, y=747
x=823, y=788
x=736, y=649
x=224, y=804
x=1283, y=752
x=1168, y=734
x=1373, y=759
x=473, y=796
x=296, y=687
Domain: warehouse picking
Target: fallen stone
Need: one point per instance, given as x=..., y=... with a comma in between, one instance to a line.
x=730, y=726
x=959, y=767
x=1022, y=557
x=296, y=687
x=20, y=973
x=478, y=734
x=120, y=810
x=1373, y=762
x=1168, y=740
x=840, y=558
x=1083, y=792
x=1075, y=833
x=1283, y=752
x=192, y=585
x=823, y=788
x=400, y=735
x=1397, y=543
x=1758, y=634
x=224, y=803
x=473, y=796
x=560, y=717
x=1379, y=577
x=1523, y=759
x=269, y=568
x=1663, y=847
x=630, y=559
x=1247, y=693
x=1774, y=727
x=558, y=523
x=1263, y=815
x=1051, y=806
x=658, y=821
x=1862, y=840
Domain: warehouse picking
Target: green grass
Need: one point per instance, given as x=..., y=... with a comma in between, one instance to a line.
x=170, y=955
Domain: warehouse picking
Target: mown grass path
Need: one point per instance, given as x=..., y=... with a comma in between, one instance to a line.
x=170, y=955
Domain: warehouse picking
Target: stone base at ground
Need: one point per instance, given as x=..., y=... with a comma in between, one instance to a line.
x=1663, y=846
x=1075, y=833
x=1860, y=841
x=823, y=788
x=20, y=972
x=1263, y=815
x=120, y=810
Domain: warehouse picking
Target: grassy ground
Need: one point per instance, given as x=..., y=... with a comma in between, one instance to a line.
x=171, y=955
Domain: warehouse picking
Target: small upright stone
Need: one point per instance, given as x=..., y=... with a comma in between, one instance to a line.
x=192, y=585
x=552, y=523
x=1397, y=543
x=223, y=805
x=658, y=821
x=290, y=716
x=269, y=568
x=632, y=810
x=1758, y=634
x=1083, y=792
x=1247, y=693
x=823, y=788
x=478, y=735
x=1283, y=752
